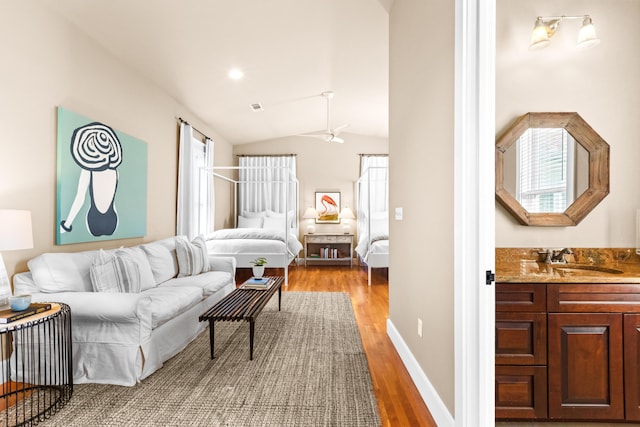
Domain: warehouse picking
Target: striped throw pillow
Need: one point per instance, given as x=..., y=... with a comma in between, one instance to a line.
x=115, y=273
x=192, y=256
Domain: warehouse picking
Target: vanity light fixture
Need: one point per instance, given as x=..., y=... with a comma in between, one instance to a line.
x=545, y=28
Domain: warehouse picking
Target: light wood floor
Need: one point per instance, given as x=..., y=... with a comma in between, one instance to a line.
x=399, y=403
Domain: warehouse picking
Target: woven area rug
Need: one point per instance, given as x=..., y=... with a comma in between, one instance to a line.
x=309, y=369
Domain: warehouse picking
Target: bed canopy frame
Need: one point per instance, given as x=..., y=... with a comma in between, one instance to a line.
x=371, y=177
x=290, y=186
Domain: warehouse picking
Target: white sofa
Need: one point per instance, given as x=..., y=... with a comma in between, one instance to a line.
x=121, y=337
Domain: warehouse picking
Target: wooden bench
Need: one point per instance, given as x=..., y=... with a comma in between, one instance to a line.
x=242, y=304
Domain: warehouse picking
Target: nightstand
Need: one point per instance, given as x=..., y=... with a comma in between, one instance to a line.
x=328, y=248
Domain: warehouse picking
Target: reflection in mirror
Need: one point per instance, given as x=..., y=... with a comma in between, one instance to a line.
x=546, y=170
x=552, y=169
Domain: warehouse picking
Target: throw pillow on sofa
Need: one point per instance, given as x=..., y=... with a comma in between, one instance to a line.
x=193, y=257
x=125, y=270
x=110, y=273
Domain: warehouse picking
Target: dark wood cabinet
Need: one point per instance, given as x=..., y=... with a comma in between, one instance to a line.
x=521, y=351
x=631, y=324
x=567, y=351
x=585, y=366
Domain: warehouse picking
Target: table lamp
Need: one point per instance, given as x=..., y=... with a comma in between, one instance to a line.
x=346, y=214
x=310, y=214
x=15, y=234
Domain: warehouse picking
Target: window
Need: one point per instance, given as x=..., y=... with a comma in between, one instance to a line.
x=546, y=163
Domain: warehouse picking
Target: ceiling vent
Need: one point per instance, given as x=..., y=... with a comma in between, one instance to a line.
x=256, y=107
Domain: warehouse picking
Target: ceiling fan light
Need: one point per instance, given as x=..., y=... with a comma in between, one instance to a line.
x=587, y=35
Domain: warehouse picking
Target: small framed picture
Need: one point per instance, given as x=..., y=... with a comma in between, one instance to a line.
x=328, y=207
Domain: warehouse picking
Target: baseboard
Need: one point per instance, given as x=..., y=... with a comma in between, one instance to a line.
x=438, y=409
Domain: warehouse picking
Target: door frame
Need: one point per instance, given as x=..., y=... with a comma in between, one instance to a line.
x=474, y=206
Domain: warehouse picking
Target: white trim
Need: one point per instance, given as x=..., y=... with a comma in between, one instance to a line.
x=474, y=212
x=438, y=409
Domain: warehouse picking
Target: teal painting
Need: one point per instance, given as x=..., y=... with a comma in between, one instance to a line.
x=101, y=189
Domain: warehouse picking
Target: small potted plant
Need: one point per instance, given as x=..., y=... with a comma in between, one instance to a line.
x=258, y=266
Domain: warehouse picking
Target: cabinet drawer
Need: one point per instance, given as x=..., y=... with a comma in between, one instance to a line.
x=521, y=392
x=521, y=297
x=593, y=298
x=521, y=338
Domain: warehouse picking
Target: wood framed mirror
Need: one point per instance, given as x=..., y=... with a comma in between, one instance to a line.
x=552, y=169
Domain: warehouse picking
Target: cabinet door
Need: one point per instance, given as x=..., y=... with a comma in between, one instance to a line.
x=585, y=366
x=521, y=392
x=521, y=338
x=632, y=366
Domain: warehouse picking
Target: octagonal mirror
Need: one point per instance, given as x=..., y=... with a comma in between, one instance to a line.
x=552, y=169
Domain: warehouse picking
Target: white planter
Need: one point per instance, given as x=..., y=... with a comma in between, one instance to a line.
x=258, y=270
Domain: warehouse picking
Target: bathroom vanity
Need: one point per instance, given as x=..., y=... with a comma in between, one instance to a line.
x=568, y=336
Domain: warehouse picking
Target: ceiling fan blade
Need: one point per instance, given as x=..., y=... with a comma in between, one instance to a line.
x=339, y=129
x=337, y=139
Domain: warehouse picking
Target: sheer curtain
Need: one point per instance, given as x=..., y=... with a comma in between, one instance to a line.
x=373, y=193
x=195, y=185
x=267, y=183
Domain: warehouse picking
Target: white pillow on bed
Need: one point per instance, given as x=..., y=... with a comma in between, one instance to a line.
x=244, y=222
x=260, y=214
x=273, y=223
x=280, y=215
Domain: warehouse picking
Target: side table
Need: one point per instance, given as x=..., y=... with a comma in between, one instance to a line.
x=37, y=377
x=328, y=248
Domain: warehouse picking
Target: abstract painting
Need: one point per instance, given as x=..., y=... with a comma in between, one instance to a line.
x=101, y=182
x=328, y=207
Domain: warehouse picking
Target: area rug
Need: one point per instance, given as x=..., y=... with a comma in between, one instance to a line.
x=309, y=369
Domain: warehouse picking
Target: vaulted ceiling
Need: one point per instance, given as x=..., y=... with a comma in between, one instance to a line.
x=289, y=50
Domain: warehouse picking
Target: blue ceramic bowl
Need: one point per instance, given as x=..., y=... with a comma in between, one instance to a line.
x=20, y=302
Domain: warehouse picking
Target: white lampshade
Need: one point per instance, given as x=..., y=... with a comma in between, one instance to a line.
x=310, y=213
x=346, y=213
x=539, y=35
x=15, y=230
x=587, y=34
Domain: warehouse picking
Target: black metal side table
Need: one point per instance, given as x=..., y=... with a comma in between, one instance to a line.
x=36, y=374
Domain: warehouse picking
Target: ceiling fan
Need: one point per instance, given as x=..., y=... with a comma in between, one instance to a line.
x=329, y=135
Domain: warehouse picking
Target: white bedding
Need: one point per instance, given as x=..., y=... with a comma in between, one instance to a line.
x=251, y=240
x=379, y=245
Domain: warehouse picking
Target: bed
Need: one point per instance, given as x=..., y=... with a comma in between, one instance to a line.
x=265, y=233
x=373, y=219
x=248, y=243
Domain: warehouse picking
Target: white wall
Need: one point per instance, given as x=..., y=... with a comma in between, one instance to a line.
x=47, y=63
x=421, y=143
x=600, y=84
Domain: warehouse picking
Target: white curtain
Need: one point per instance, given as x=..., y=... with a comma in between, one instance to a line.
x=268, y=183
x=195, y=187
x=373, y=194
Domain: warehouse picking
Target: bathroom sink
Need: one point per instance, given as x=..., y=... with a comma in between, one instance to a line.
x=585, y=270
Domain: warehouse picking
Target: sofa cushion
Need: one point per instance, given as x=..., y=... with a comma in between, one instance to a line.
x=169, y=301
x=63, y=272
x=210, y=282
x=193, y=257
x=162, y=258
x=117, y=272
x=137, y=255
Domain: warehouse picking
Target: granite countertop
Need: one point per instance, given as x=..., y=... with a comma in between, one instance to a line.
x=584, y=266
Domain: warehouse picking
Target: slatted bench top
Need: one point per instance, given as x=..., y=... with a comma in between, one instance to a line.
x=242, y=304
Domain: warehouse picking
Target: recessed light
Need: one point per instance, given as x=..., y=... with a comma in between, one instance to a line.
x=236, y=74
